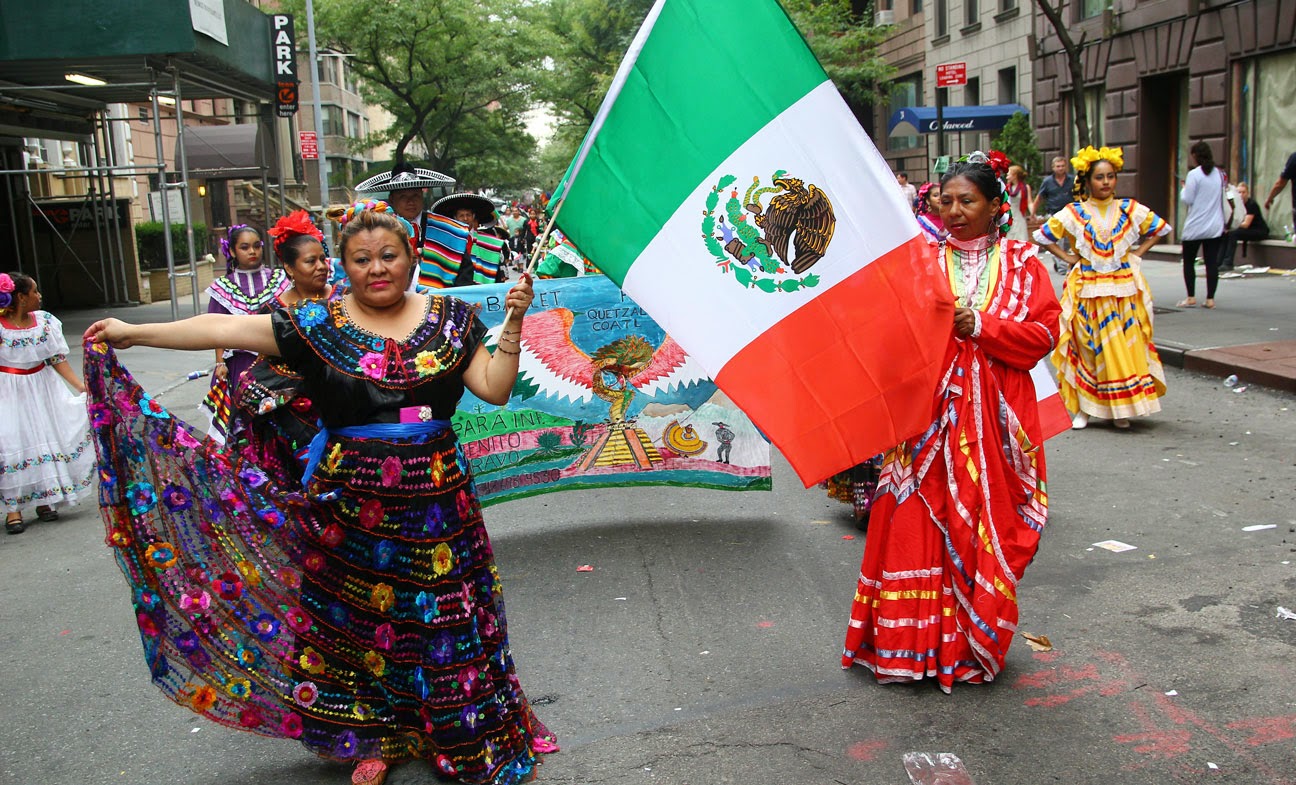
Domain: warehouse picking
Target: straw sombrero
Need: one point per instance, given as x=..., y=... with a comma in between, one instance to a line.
x=403, y=176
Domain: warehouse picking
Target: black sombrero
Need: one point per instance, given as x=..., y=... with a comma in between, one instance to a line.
x=482, y=207
x=403, y=176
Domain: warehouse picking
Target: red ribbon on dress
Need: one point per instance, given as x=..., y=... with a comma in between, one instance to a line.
x=21, y=371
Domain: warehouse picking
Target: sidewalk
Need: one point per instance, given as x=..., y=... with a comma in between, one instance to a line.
x=1251, y=333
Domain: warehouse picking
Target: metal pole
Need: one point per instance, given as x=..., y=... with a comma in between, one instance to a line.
x=166, y=209
x=123, y=293
x=184, y=184
x=940, y=123
x=31, y=230
x=13, y=213
x=319, y=109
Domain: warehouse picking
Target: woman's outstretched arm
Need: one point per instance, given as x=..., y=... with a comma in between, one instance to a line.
x=206, y=331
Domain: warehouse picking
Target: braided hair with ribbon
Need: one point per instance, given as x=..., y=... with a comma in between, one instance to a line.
x=230, y=241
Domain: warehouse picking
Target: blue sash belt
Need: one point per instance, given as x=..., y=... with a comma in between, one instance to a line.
x=382, y=430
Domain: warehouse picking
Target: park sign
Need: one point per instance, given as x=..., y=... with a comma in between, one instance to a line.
x=283, y=45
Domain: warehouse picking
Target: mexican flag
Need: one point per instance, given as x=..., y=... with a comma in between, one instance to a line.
x=758, y=224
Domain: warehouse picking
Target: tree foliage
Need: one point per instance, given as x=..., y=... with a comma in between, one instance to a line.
x=1017, y=140
x=455, y=77
x=843, y=37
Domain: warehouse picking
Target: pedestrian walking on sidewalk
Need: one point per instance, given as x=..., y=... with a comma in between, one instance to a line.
x=1106, y=362
x=1203, y=227
x=45, y=453
x=1288, y=174
x=952, y=529
x=358, y=612
x=1019, y=199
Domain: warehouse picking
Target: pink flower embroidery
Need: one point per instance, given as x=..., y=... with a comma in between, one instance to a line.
x=391, y=470
x=371, y=514
x=372, y=365
x=383, y=637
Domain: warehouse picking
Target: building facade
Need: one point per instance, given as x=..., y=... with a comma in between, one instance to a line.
x=1160, y=75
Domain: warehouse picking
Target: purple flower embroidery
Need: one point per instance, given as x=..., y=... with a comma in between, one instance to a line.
x=176, y=499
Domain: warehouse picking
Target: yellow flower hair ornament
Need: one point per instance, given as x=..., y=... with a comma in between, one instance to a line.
x=1089, y=156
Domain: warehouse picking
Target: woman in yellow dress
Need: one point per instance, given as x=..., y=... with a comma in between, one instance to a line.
x=1107, y=366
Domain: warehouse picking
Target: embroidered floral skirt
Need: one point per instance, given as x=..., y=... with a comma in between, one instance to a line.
x=45, y=452
x=363, y=616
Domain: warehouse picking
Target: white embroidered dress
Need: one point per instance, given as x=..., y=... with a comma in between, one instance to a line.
x=45, y=452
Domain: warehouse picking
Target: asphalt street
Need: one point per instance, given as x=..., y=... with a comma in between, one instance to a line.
x=704, y=647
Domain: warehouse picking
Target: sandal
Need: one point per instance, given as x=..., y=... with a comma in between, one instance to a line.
x=1210, y=304
x=369, y=772
x=543, y=746
x=46, y=513
x=15, y=525
x=1187, y=302
x=1122, y=423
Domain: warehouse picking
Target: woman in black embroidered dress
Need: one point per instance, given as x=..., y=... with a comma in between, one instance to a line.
x=359, y=611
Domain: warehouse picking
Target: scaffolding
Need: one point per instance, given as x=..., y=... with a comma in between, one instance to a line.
x=100, y=199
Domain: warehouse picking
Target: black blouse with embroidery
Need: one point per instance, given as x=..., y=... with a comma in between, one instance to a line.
x=356, y=378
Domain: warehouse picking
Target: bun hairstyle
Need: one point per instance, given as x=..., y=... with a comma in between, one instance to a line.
x=986, y=173
x=12, y=285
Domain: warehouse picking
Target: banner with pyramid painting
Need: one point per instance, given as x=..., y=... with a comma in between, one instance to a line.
x=604, y=398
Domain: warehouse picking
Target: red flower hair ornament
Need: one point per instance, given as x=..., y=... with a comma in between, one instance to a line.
x=291, y=225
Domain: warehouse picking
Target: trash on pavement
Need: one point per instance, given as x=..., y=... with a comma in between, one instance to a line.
x=1259, y=526
x=848, y=536
x=1115, y=546
x=585, y=568
x=1212, y=766
x=1241, y=389
x=936, y=768
x=1171, y=693
x=1230, y=380
x=1283, y=613
x=1038, y=642
x=197, y=374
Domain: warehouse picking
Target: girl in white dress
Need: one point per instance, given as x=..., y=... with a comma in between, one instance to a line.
x=46, y=457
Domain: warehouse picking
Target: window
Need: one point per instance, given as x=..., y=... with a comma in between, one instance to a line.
x=353, y=125
x=904, y=92
x=916, y=8
x=972, y=92
x=1007, y=5
x=1007, y=85
x=1092, y=8
x=348, y=76
x=143, y=115
x=334, y=121
x=327, y=68
x=1095, y=111
x=971, y=12
x=942, y=18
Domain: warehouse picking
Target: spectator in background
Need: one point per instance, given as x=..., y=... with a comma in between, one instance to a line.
x=1253, y=227
x=1055, y=190
x=1018, y=192
x=1203, y=228
x=1288, y=174
x=910, y=193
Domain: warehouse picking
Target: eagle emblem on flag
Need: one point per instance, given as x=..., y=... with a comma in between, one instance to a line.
x=769, y=246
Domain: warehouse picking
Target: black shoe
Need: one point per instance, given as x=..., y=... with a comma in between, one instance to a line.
x=46, y=514
x=15, y=526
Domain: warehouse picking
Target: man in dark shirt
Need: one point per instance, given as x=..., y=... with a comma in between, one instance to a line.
x=1055, y=190
x=1253, y=227
x=1288, y=174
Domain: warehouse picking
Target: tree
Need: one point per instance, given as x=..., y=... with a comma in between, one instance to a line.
x=1073, y=50
x=454, y=76
x=843, y=37
x=1017, y=141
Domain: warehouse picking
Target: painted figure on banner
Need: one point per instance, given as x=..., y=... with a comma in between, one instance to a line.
x=604, y=398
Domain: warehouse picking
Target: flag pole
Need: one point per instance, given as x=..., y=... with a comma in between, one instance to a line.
x=539, y=246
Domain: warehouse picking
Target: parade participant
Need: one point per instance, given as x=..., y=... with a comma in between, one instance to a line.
x=1107, y=364
x=1019, y=199
x=359, y=612
x=45, y=453
x=929, y=220
x=405, y=187
x=299, y=247
x=340, y=215
x=247, y=287
x=960, y=508
x=473, y=211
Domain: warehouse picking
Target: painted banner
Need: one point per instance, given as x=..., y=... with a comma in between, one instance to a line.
x=604, y=398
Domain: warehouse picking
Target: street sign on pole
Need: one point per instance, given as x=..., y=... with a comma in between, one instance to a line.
x=309, y=144
x=283, y=43
x=951, y=74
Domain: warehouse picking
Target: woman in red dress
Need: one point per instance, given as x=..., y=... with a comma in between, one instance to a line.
x=960, y=507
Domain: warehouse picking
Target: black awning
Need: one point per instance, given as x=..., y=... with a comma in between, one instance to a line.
x=225, y=151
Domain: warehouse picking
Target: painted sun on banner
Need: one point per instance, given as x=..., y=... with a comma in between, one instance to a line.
x=604, y=398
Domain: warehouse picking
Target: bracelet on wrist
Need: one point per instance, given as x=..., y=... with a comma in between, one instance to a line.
x=506, y=351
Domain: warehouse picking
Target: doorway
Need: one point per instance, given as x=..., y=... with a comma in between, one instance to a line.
x=1163, y=143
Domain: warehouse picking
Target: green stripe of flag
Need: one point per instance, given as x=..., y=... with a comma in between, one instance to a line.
x=711, y=74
